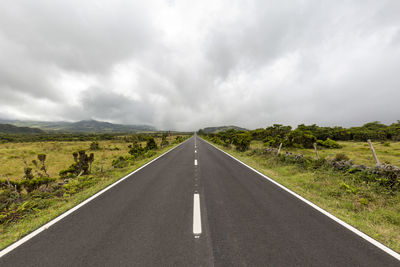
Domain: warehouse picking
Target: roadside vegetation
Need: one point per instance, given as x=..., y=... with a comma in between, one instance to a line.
x=332, y=167
x=39, y=180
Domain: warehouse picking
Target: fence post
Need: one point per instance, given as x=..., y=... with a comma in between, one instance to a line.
x=316, y=151
x=373, y=153
x=279, y=149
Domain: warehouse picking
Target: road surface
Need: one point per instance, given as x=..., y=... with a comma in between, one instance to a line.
x=196, y=207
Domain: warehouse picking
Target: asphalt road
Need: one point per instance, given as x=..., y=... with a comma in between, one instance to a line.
x=244, y=220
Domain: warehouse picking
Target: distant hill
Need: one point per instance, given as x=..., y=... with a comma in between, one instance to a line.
x=85, y=126
x=104, y=127
x=11, y=129
x=222, y=128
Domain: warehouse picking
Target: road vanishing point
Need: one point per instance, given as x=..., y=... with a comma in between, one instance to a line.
x=196, y=206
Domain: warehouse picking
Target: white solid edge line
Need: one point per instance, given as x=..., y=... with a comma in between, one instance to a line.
x=68, y=212
x=333, y=217
x=196, y=215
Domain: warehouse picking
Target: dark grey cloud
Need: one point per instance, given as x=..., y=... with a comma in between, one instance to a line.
x=186, y=65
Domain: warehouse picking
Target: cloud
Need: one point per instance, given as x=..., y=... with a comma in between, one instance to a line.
x=185, y=65
x=103, y=104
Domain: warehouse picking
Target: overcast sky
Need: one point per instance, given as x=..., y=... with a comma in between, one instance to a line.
x=188, y=64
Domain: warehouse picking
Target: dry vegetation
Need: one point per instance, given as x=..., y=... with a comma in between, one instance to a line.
x=59, y=155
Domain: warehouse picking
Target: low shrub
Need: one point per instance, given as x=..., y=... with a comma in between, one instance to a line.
x=242, y=141
x=136, y=150
x=341, y=157
x=389, y=176
x=94, y=146
x=76, y=185
x=272, y=141
x=81, y=166
x=35, y=183
x=151, y=144
x=120, y=162
x=179, y=139
x=329, y=143
x=348, y=188
x=164, y=142
x=16, y=211
x=301, y=139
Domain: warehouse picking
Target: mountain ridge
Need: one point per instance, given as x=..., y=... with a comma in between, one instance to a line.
x=83, y=126
x=217, y=129
x=12, y=129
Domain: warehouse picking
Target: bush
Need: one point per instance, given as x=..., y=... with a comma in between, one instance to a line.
x=94, y=146
x=136, y=150
x=7, y=197
x=178, y=139
x=164, y=142
x=120, y=162
x=76, y=185
x=217, y=140
x=348, y=188
x=151, y=144
x=28, y=173
x=389, y=176
x=16, y=211
x=42, y=169
x=28, y=184
x=329, y=143
x=81, y=166
x=273, y=141
x=341, y=157
x=227, y=143
x=242, y=141
x=302, y=139
x=35, y=183
x=7, y=184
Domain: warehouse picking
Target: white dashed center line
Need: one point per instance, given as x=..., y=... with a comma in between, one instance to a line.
x=196, y=216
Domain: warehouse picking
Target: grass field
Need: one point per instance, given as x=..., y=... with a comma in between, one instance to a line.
x=59, y=155
x=367, y=207
x=358, y=152
x=48, y=205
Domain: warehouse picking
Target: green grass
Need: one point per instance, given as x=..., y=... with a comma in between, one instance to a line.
x=358, y=152
x=364, y=206
x=60, y=153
